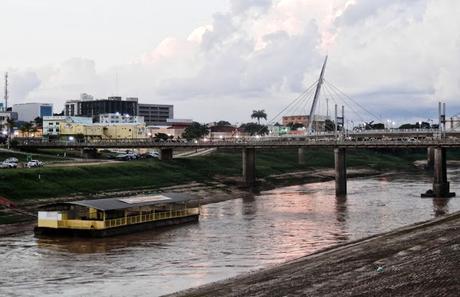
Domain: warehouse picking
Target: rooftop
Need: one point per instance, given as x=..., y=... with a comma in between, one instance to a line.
x=130, y=202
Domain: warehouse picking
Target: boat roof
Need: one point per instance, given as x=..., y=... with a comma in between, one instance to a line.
x=131, y=202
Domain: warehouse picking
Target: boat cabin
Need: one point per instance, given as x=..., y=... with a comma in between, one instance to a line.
x=143, y=212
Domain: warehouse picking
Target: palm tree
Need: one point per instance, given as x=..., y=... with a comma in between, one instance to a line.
x=259, y=114
x=27, y=127
x=10, y=122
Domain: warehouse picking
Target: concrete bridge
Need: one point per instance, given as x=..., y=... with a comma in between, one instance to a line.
x=436, y=148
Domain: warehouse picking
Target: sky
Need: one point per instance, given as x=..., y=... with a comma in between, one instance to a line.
x=221, y=59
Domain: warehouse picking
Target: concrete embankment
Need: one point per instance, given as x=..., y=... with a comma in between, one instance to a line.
x=418, y=260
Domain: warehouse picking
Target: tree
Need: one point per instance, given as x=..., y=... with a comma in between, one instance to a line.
x=223, y=123
x=259, y=114
x=295, y=126
x=254, y=129
x=406, y=126
x=372, y=126
x=161, y=136
x=11, y=123
x=329, y=125
x=26, y=128
x=195, y=131
x=38, y=121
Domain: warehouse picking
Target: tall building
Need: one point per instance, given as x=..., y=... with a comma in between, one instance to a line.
x=28, y=112
x=156, y=114
x=111, y=105
x=153, y=114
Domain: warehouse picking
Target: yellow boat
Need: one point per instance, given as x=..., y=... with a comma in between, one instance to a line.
x=113, y=216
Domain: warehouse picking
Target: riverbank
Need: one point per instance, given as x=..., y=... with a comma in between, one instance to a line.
x=417, y=260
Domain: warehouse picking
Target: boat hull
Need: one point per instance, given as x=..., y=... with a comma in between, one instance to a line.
x=125, y=229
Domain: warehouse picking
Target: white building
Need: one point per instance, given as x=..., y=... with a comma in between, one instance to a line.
x=28, y=112
x=4, y=116
x=52, y=124
x=117, y=118
x=454, y=123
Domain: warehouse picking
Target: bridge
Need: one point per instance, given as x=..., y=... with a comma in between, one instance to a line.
x=436, y=148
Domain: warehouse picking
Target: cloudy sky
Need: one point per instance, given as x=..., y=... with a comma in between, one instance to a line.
x=220, y=59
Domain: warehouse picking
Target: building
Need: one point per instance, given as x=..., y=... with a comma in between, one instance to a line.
x=155, y=114
x=103, y=131
x=455, y=123
x=319, y=123
x=52, y=125
x=117, y=118
x=73, y=107
x=173, y=127
x=4, y=117
x=222, y=132
x=66, y=126
x=93, y=108
x=27, y=112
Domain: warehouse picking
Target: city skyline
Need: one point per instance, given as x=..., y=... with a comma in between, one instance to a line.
x=221, y=60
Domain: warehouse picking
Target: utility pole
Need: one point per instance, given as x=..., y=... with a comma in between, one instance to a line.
x=6, y=91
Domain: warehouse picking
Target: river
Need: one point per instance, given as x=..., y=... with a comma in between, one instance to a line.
x=232, y=237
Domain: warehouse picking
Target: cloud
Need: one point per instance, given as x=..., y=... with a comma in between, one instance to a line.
x=262, y=54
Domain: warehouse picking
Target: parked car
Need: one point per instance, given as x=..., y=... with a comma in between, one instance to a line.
x=8, y=165
x=127, y=157
x=151, y=155
x=11, y=160
x=34, y=163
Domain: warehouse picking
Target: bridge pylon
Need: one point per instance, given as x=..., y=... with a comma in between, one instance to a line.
x=340, y=172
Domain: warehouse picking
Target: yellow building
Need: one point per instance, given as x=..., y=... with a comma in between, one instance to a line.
x=103, y=131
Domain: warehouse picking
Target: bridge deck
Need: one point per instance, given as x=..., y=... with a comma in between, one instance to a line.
x=320, y=143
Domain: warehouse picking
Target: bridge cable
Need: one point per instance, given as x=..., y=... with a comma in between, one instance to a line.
x=362, y=107
x=352, y=109
x=294, y=102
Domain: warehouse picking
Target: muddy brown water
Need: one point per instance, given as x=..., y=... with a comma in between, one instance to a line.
x=232, y=237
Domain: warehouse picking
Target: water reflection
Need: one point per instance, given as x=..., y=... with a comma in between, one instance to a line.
x=440, y=206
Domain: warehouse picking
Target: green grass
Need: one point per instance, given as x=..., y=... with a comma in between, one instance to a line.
x=24, y=184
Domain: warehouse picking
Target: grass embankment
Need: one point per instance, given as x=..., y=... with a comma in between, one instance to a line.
x=24, y=184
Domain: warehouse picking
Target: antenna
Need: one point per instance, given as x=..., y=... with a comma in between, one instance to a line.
x=6, y=91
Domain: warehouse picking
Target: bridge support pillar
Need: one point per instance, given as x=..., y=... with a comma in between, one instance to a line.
x=340, y=172
x=249, y=166
x=301, y=155
x=430, y=158
x=441, y=187
x=166, y=154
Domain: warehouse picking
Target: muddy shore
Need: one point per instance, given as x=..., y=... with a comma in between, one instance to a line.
x=221, y=189
x=418, y=260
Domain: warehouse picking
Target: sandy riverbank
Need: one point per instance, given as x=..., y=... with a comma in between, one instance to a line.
x=418, y=260
x=225, y=189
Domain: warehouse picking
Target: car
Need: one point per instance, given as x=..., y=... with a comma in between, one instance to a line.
x=11, y=160
x=8, y=165
x=122, y=157
x=126, y=157
x=34, y=163
x=155, y=155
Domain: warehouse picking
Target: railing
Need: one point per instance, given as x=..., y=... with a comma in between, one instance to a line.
x=131, y=220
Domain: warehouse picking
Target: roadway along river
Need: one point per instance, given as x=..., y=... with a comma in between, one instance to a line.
x=232, y=237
